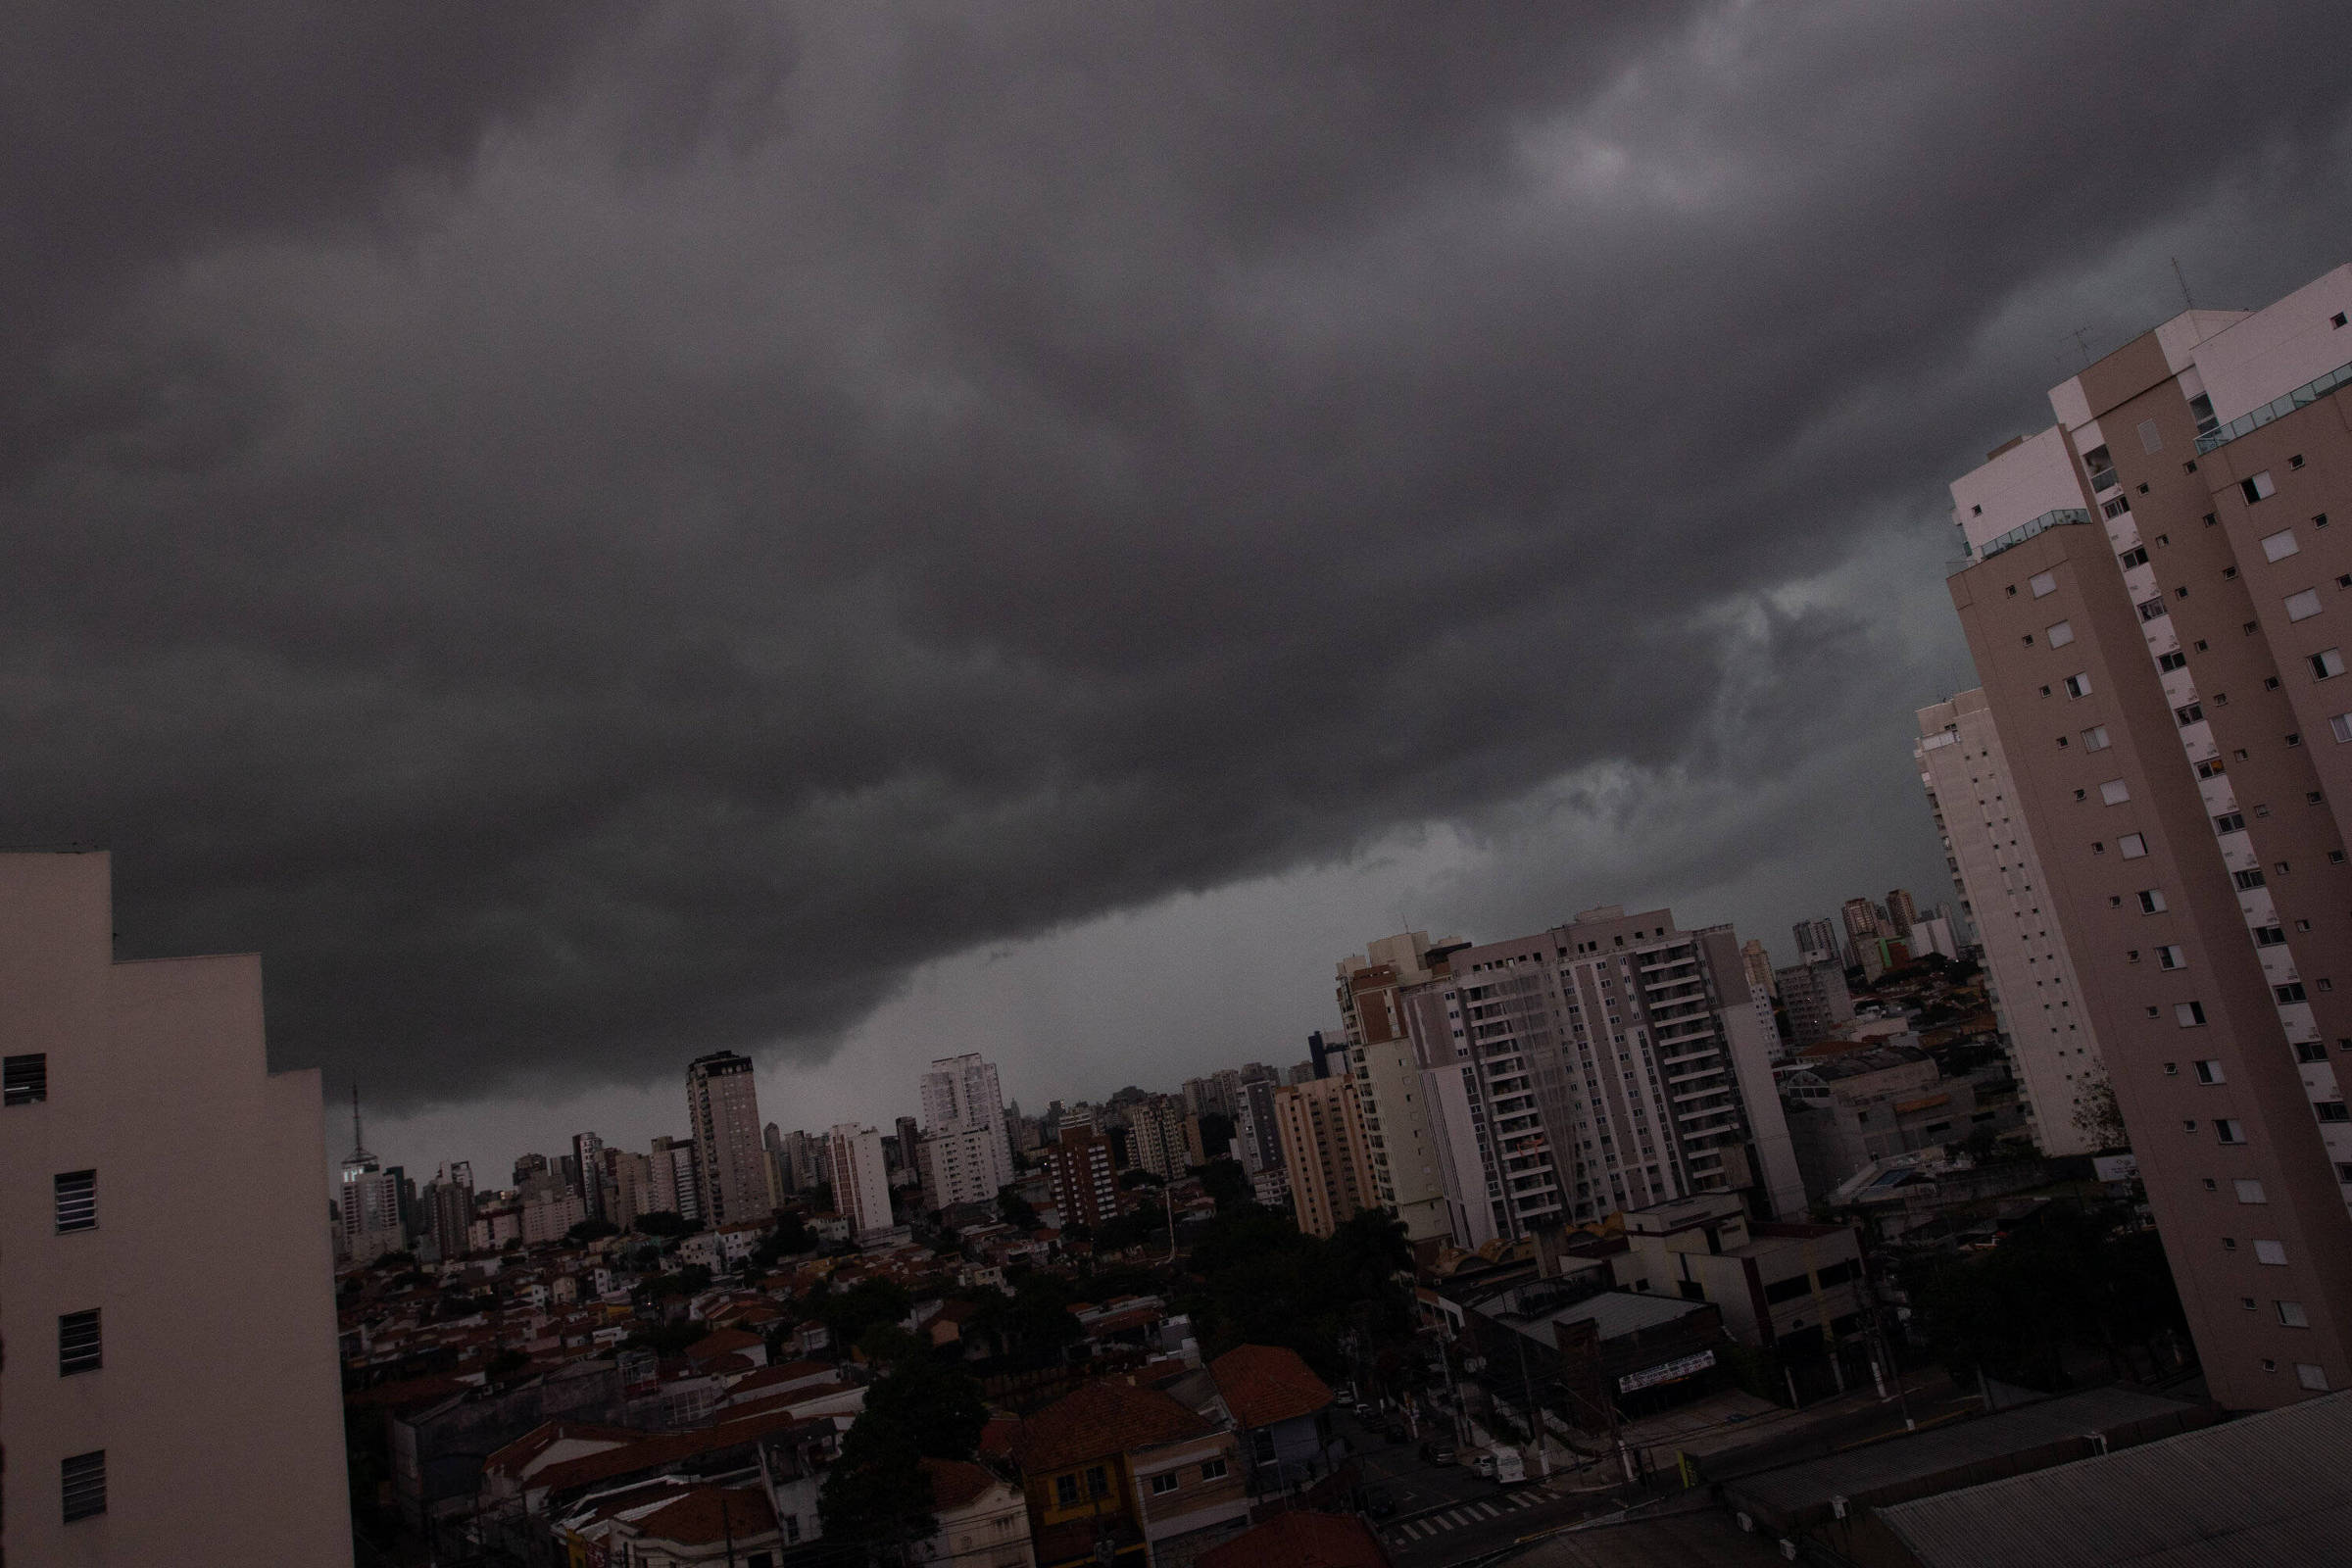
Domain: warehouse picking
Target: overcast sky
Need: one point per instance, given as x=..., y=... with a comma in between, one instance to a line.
x=587, y=534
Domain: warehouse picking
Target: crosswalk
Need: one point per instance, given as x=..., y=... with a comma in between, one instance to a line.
x=1468, y=1513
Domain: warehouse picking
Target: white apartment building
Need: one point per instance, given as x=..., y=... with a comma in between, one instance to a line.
x=962, y=1093
x=860, y=1178
x=1404, y=1177
x=367, y=1203
x=165, y=1398
x=676, y=1179
x=2053, y=1051
x=1611, y=1063
x=957, y=1164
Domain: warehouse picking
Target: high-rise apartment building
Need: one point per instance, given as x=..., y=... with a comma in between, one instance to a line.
x=166, y=1396
x=588, y=1155
x=1256, y=1138
x=722, y=1106
x=447, y=1216
x=860, y=1178
x=1901, y=910
x=963, y=1094
x=2036, y=993
x=1758, y=964
x=1326, y=1151
x=1161, y=1145
x=1080, y=1175
x=368, y=1202
x=1815, y=997
x=528, y=1168
x=957, y=1165
x=1405, y=1171
x=678, y=1183
x=1863, y=923
x=2160, y=611
x=1610, y=1063
x=1818, y=938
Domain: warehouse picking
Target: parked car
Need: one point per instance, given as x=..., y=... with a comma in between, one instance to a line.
x=1438, y=1451
x=1378, y=1503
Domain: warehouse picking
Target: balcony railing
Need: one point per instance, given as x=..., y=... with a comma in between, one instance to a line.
x=2246, y=423
x=2056, y=518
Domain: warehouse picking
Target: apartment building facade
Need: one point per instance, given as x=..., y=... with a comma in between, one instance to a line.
x=2160, y=611
x=163, y=1396
x=1404, y=1169
x=2037, y=994
x=1326, y=1151
x=1815, y=997
x=722, y=1102
x=963, y=1094
x=861, y=1181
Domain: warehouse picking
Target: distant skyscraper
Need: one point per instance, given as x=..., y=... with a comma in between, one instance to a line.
x=1402, y=1173
x=1256, y=1133
x=961, y=1094
x=1160, y=1144
x=1079, y=1172
x=1819, y=937
x=1324, y=1153
x=1759, y=966
x=724, y=1106
x=861, y=1181
x=1901, y=910
x=1816, y=999
x=1862, y=924
x=677, y=1184
x=370, y=1202
x=527, y=1169
x=588, y=1158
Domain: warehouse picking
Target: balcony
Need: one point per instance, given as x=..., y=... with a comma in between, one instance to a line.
x=2246, y=423
x=2057, y=517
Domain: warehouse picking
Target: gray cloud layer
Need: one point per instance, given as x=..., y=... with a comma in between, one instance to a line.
x=586, y=533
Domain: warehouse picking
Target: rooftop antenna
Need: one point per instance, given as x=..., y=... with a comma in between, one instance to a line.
x=2082, y=344
x=357, y=1141
x=2182, y=281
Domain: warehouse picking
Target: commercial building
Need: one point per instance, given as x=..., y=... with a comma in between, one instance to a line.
x=1771, y=1281
x=1816, y=999
x=368, y=1203
x=860, y=1179
x=2158, y=611
x=1325, y=1150
x=724, y=1105
x=165, y=1395
x=1846, y=1111
x=1406, y=1171
x=2036, y=993
x=1609, y=1063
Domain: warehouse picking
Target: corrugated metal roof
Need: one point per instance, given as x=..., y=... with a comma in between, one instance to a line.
x=1794, y=1489
x=1611, y=1314
x=2262, y=1492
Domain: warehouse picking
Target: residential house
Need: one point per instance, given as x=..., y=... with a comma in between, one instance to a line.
x=983, y=1519
x=1284, y=1413
x=1113, y=1474
x=1301, y=1538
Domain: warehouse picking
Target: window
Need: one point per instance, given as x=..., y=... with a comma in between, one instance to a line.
x=1789, y=1289
x=2247, y=879
x=1065, y=1492
x=2310, y=1051
x=2229, y=1130
x=2043, y=583
x=2188, y=713
x=2259, y=487
x=2191, y=1015
x=2114, y=792
x=2094, y=739
x=2327, y=663
x=2136, y=556
x=2060, y=634
x=2290, y=1313
x=2115, y=509
x=77, y=1201
x=2132, y=845
x=2292, y=991
x=2078, y=685
x=2150, y=609
x=83, y=1478
x=2151, y=901
x=1161, y=1485
x=23, y=1080
x=2331, y=1110
x=2176, y=660
x=2269, y=936
x=2230, y=822
x=1212, y=1470
x=2310, y=1374
x=2272, y=1255
x=77, y=1344
x=2280, y=545
x=2171, y=957
x=2211, y=767
x=1098, y=1482
x=2303, y=605
x=2249, y=1192
x=2209, y=1071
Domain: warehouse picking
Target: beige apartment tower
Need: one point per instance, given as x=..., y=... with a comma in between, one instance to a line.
x=1403, y=1171
x=1325, y=1149
x=168, y=1392
x=2158, y=593
x=724, y=1108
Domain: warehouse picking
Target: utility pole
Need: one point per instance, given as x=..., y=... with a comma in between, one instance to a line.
x=1535, y=1412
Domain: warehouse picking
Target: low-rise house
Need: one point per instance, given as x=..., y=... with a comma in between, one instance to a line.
x=983, y=1519
x=1284, y=1414
x=672, y=1526
x=1301, y=1539
x=1113, y=1473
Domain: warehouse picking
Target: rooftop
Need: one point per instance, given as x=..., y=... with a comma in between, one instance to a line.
x=1299, y=1540
x=1106, y=1417
x=1266, y=1384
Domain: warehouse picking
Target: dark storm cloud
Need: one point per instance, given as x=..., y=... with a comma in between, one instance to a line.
x=589, y=535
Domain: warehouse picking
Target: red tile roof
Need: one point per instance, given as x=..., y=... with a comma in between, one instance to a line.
x=1099, y=1419
x=1299, y=1540
x=515, y=1457
x=954, y=1483
x=1264, y=1384
x=698, y=1518
x=725, y=1341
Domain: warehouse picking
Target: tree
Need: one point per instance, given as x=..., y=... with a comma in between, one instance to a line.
x=2099, y=1119
x=1131, y=1229
x=661, y=1222
x=939, y=1406
x=592, y=1230
x=1131, y=1179
x=1225, y=1181
x=1217, y=1135
x=848, y=1313
x=877, y=1493
x=1016, y=1210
